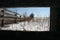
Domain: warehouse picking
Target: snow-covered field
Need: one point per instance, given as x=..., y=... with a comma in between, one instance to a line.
x=33, y=25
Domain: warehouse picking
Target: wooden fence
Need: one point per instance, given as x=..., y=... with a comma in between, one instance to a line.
x=6, y=18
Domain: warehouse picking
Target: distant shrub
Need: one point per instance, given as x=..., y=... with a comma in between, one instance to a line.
x=32, y=15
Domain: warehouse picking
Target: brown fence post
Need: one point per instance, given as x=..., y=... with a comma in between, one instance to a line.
x=16, y=18
x=20, y=18
x=2, y=22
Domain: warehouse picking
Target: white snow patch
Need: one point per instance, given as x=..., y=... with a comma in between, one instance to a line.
x=29, y=26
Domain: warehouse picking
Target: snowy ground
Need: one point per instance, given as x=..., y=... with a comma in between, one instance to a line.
x=36, y=25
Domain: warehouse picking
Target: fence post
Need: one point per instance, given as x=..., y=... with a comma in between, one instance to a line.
x=2, y=22
x=20, y=18
x=16, y=18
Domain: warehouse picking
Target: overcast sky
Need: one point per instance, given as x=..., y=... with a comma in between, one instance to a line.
x=37, y=11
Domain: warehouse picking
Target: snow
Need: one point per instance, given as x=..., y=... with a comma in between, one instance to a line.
x=37, y=25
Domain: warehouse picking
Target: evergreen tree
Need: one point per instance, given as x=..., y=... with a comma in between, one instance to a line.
x=32, y=15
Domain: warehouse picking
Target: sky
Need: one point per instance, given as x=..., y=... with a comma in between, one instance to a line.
x=37, y=11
